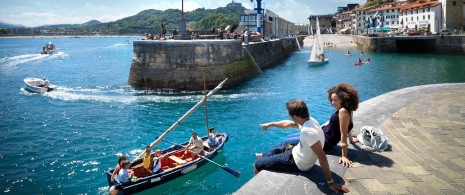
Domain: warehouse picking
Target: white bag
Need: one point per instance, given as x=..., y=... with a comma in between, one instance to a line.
x=374, y=138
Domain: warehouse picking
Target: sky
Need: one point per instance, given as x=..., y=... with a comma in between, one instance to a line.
x=32, y=13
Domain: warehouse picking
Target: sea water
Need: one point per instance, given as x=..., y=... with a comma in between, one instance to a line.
x=62, y=142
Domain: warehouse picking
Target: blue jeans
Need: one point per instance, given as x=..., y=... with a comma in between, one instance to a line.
x=277, y=161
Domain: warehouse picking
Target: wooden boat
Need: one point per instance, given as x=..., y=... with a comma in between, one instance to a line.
x=173, y=166
x=174, y=163
x=32, y=84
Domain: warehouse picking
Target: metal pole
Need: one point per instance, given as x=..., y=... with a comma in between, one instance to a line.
x=182, y=16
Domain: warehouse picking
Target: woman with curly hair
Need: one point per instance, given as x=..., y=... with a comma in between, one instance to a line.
x=344, y=98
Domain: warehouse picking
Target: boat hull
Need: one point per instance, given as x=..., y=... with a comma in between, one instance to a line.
x=314, y=63
x=49, y=52
x=157, y=179
x=32, y=84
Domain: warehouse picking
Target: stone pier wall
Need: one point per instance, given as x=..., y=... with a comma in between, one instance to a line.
x=182, y=65
x=450, y=45
x=444, y=45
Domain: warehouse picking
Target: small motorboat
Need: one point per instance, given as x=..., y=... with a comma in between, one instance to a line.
x=49, y=48
x=173, y=164
x=35, y=85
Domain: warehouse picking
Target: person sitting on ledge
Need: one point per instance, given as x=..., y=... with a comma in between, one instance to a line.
x=255, y=35
x=304, y=155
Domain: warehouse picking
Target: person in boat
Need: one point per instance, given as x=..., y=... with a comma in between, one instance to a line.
x=305, y=154
x=45, y=84
x=197, y=145
x=156, y=162
x=212, y=138
x=118, y=167
x=322, y=57
x=359, y=60
x=147, y=159
x=124, y=175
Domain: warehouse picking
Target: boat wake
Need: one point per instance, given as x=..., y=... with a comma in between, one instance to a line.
x=16, y=60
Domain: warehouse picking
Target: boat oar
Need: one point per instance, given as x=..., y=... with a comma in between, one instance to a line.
x=224, y=167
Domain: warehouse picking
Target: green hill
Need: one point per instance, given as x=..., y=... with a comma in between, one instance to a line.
x=150, y=20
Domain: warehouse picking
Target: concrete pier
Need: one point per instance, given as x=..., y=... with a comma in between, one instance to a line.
x=425, y=127
x=182, y=64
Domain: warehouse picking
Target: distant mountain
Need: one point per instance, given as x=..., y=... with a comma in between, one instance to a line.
x=91, y=23
x=6, y=25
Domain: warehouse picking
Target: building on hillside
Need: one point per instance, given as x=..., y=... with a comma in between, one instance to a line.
x=232, y=4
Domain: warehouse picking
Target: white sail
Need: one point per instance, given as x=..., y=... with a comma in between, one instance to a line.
x=317, y=48
x=313, y=54
x=318, y=33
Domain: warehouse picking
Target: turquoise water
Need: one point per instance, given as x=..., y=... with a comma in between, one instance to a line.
x=63, y=141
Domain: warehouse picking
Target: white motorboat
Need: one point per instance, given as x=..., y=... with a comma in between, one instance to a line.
x=49, y=48
x=317, y=56
x=35, y=85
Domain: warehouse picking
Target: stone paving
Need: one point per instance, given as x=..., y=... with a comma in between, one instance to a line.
x=426, y=131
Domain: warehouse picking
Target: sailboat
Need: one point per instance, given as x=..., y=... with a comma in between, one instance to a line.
x=317, y=55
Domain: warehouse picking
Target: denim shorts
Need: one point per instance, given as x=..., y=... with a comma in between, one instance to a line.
x=283, y=162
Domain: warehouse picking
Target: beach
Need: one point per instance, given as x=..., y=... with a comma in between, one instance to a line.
x=335, y=39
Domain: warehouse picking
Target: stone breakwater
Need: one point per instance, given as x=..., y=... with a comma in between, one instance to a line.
x=183, y=64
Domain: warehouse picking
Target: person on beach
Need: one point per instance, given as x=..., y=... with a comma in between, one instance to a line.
x=304, y=155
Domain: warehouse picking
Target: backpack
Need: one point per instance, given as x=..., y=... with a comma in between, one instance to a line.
x=373, y=138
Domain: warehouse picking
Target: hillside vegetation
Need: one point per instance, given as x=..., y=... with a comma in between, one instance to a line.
x=150, y=21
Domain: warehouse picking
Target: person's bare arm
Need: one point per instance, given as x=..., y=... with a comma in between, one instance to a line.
x=317, y=148
x=284, y=124
x=344, y=120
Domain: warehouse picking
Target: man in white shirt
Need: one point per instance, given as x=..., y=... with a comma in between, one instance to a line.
x=46, y=83
x=305, y=154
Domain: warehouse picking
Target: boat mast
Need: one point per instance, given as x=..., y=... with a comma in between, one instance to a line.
x=187, y=114
x=206, y=106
